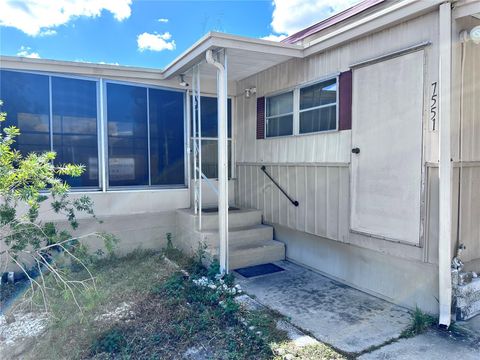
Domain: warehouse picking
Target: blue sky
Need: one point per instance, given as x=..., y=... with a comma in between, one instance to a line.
x=147, y=33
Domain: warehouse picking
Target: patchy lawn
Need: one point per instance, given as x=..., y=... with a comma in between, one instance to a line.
x=145, y=307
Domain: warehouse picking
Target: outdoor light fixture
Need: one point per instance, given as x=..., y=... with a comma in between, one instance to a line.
x=250, y=91
x=473, y=34
x=182, y=81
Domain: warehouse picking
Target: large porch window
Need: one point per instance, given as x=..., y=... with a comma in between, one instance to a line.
x=144, y=139
x=145, y=136
x=54, y=114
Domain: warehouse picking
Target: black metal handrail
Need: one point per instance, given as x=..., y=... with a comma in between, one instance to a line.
x=294, y=202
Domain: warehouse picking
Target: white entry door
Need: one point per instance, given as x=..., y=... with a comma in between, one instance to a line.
x=386, y=155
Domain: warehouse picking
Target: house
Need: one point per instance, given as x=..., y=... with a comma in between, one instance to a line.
x=352, y=146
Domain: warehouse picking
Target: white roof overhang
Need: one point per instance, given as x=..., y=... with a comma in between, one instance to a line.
x=465, y=8
x=246, y=56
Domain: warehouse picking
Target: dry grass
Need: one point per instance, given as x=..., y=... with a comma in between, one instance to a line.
x=145, y=308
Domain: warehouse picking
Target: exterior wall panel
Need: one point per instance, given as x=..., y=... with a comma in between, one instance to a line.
x=315, y=168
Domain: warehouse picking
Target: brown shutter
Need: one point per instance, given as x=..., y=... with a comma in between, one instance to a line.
x=261, y=118
x=345, y=100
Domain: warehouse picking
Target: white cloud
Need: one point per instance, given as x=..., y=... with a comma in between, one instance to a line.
x=37, y=17
x=25, y=51
x=163, y=20
x=290, y=16
x=155, y=42
x=93, y=62
x=273, y=37
x=47, y=32
x=109, y=63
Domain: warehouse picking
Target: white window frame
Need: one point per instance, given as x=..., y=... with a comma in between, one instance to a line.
x=296, y=108
x=280, y=115
x=320, y=106
x=102, y=131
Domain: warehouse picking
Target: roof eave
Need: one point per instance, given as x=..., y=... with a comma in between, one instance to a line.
x=215, y=40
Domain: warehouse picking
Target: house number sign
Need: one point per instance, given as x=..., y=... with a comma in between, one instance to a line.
x=434, y=106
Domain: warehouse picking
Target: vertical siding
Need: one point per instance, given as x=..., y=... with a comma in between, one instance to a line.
x=322, y=193
x=470, y=156
x=314, y=169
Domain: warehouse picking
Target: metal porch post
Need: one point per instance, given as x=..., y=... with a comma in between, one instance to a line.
x=222, y=157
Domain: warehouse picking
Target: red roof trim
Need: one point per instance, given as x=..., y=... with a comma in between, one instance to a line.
x=332, y=20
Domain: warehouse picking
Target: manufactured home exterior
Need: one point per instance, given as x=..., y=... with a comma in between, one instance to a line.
x=369, y=120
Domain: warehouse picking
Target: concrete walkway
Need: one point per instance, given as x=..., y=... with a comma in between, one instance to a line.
x=434, y=345
x=336, y=314
x=353, y=321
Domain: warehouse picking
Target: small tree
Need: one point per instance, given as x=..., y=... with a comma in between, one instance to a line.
x=25, y=183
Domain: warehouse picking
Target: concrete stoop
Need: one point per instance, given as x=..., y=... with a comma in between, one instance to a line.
x=250, y=242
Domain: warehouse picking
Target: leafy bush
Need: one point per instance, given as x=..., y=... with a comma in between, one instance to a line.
x=27, y=181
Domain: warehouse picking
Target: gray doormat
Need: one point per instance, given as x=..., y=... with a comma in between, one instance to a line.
x=215, y=209
x=258, y=270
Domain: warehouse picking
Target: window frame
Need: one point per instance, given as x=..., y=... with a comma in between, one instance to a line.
x=230, y=140
x=49, y=74
x=286, y=91
x=102, y=130
x=107, y=186
x=296, y=107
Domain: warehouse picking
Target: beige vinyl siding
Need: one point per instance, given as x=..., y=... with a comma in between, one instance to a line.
x=315, y=168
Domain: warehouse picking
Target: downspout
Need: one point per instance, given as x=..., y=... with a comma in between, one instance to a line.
x=445, y=166
x=222, y=160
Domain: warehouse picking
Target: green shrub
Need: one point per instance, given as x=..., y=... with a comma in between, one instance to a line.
x=111, y=341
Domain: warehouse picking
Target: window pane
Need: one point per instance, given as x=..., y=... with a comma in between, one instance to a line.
x=280, y=126
x=280, y=104
x=166, y=137
x=318, y=94
x=209, y=110
x=210, y=159
x=74, y=106
x=26, y=102
x=127, y=135
x=318, y=120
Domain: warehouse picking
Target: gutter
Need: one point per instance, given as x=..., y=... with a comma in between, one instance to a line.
x=222, y=158
x=445, y=166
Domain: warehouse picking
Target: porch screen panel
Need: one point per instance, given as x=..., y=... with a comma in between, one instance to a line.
x=127, y=135
x=209, y=135
x=167, y=156
x=27, y=104
x=74, y=107
x=209, y=113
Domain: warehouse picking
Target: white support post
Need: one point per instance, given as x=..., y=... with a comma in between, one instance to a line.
x=222, y=157
x=445, y=166
x=194, y=142
x=200, y=169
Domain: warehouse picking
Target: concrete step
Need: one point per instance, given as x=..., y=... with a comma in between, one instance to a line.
x=244, y=235
x=253, y=254
x=236, y=218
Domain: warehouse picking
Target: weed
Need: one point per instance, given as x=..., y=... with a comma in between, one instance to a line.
x=420, y=323
x=168, y=235
x=111, y=341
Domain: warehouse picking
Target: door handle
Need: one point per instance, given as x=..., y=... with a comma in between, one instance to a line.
x=356, y=150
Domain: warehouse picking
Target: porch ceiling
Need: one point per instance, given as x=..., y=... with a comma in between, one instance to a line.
x=245, y=56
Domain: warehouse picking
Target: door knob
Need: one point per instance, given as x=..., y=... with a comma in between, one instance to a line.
x=356, y=150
